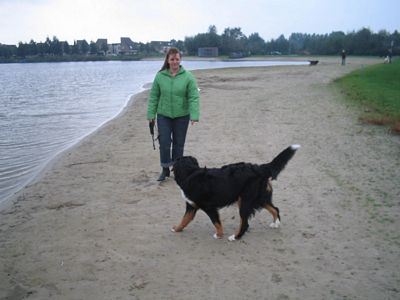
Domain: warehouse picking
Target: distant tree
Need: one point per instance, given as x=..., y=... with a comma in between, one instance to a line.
x=66, y=48
x=144, y=48
x=44, y=48
x=190, y=46
x=55, y=46
x=213, y=39
x=178, y=44
x=40, y=48
x=33, y=50
x=296, y=43
x=335, y=43
x=361, y=41
x=212, y=29
x=395, y=40
x=233, y=40
x=281, y=45
x=23, y=49
x=255, y=44
x=208, y=39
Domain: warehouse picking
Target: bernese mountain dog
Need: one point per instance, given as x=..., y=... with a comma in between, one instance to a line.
x=248, y=185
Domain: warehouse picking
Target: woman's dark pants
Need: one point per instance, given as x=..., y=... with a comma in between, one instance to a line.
x=171, y=131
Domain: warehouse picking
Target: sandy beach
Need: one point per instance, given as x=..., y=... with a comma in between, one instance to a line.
x=96, y=223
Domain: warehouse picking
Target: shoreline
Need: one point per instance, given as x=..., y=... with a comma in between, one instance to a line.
x=97, y=223
x=194, y=58
x=11, y=199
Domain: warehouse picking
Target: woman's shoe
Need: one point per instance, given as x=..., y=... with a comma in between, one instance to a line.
x=164, y=174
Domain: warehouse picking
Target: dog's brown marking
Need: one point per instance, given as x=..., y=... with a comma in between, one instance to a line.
x=219, y=230
x=272, y=211
x=187, y=218
x=269, y=185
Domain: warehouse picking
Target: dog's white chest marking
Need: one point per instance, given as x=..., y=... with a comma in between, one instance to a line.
x=187, y=200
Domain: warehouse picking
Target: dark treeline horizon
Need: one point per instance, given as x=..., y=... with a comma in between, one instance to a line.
x=232, y=40
x=362, y=42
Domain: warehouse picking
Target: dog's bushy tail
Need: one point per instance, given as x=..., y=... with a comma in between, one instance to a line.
x=279, y=162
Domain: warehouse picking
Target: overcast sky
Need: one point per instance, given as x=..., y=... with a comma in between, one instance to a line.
x=147, y=20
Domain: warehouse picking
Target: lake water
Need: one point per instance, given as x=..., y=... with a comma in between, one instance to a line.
x=47, y=107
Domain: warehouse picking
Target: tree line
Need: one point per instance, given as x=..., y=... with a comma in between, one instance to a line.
x=53, y=47
x=233, y=40
x=362, y=42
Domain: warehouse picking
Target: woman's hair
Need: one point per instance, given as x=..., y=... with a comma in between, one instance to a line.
x=170, y=51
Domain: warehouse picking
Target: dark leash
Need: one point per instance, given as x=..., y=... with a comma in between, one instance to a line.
x=151, y=126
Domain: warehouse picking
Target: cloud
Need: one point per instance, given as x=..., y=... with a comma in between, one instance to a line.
x=144, y=21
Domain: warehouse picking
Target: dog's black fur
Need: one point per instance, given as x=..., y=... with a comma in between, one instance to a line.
x=244, y=183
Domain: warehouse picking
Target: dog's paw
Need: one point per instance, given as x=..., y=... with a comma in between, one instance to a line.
x=275, y=224
x=232, y=238
x=176, y=229
x=217, y=237
x=295, y=146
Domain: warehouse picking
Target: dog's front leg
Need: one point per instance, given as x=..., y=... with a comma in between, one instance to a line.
x=244, y=225
x=187, y=218
x=214, y=216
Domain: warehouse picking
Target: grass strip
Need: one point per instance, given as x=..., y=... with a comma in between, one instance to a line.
x=376, y=91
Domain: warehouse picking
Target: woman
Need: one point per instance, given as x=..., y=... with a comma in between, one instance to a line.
x=174, y=100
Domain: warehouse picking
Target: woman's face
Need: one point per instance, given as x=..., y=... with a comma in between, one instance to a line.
x=174, y=61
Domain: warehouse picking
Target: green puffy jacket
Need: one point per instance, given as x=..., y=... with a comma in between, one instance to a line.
x=174, y=97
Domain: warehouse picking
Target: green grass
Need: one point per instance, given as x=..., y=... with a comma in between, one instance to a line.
x=376, y=91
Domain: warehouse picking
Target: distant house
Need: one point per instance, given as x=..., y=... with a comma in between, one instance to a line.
x=160, y=46
x=79, y=43
x=83, y=46
x=64, y=47
x=128, y=47
x=114, y=49
x=8, y=50
x=207, y=52
x=102, y=46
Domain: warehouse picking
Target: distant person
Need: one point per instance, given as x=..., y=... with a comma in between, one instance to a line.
x=390, y=56
x=174, y=102
x=343, y=57
x=386, y=60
